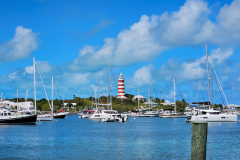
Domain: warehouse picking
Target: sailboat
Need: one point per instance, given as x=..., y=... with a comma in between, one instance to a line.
x=210, y=115
x=43, y=116
x=170, y=113
x=104, y=115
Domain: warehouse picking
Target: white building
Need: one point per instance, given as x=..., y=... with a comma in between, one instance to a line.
x=167, y=103
x=151, y=103
x=20, y=105
x=65, y=105
x=140, y=97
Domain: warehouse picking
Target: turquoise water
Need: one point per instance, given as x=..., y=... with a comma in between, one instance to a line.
x=140, y=138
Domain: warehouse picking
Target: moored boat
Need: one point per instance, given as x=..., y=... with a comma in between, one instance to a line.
x=211, y=116
x=7, y=118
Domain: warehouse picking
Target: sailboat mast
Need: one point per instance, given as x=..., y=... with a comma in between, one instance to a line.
x=197, y=90
x=96, y=97
x=208, y=76
x=174, y=95
x=234, y=96
x=212, y=87
x=63, y=100
x=34, y=75
x=151, y=94
x=17, y=100
x=109, y=83
x=92, y=98
x=52, y=94
x=138, y=98
x=98, y=90
x=148, y=98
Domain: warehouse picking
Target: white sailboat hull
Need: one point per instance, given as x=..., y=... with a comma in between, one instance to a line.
x=44, y=118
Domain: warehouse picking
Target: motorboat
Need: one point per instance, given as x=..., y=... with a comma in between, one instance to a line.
x=100, y=114
x=6, y=117
x=86, y=114
x=211, y=115
x=107, y=120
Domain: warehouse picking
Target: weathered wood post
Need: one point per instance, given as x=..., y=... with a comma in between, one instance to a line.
x=199, y=140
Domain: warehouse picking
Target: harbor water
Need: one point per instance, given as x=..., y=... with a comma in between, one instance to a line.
x=140, y=138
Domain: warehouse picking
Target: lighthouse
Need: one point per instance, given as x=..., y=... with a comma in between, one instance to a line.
x=121, y=89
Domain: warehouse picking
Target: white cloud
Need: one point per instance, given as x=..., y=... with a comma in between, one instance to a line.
x=21, y=46
x=86, y=49
x=12, y=76
x=79, y=79
x=142, y=76
x=189, y=70
x=147, y=38
x=44, y=67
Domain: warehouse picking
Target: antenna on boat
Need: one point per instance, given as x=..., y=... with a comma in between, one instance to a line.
x=208, y=77
x=34, y=71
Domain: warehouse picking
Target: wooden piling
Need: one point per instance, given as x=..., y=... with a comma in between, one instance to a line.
x=199, y=140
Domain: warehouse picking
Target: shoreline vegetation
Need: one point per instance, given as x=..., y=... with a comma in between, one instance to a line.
x=122, y=105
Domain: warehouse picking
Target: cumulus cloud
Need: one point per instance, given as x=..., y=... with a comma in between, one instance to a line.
x=44, y=67
x=143, y=76
x=12, y=76
x=150, y=36
x=21, y=46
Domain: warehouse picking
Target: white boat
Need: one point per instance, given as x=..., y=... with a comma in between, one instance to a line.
x=211, y=116
x=149, y=114
x=6, y=117
x=60, y=115
x=45, y=117
x=171, y=114
x=86, y=113
x=107, y=120
x=100, y=114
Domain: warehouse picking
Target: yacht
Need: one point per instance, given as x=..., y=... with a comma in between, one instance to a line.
x=6, y=117
x=211, y=116
x=102, y=114
x=86, y=114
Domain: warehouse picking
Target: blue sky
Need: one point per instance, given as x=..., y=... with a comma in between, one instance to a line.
x=144, y=40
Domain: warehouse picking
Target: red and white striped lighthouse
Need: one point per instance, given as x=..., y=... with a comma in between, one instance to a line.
x=121, y=89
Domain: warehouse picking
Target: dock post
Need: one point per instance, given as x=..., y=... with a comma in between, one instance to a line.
x=199, y=140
